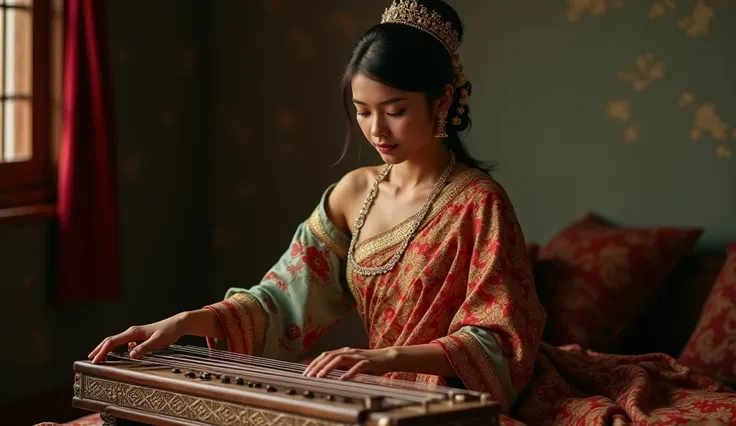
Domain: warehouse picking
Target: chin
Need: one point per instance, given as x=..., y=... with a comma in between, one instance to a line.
x=392, y=158
x=395, y=156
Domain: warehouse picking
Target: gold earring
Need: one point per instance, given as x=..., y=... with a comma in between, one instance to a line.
x=441, y=124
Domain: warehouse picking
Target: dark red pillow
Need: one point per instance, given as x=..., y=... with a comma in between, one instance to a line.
x=598, y=278
x=711, y=348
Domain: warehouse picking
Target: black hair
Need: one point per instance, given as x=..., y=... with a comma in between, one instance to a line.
x=410, y=59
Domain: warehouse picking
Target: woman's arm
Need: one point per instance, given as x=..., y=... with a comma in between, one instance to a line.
x=203, y=323
x=299, y=298
x=142, y=339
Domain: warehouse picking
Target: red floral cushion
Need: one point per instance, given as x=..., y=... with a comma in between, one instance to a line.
x=598, y=278
x=711, y=348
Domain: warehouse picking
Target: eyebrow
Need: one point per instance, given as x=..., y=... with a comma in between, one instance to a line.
x=386, y=102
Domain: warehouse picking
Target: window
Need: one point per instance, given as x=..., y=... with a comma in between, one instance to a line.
x=31, y=43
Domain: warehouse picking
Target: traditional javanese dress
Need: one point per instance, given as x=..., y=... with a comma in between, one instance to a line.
x=464, y=283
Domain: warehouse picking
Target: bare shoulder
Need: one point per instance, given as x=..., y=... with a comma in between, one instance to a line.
x=349, y=192
x=358, y=180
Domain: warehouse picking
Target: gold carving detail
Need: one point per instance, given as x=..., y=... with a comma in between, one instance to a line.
x=183, y=406
x=78, y=385
x=107, y=419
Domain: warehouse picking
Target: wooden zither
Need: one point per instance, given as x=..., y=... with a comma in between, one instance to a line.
x=191, y=385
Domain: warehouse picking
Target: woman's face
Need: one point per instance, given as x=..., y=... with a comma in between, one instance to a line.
x=397, y=123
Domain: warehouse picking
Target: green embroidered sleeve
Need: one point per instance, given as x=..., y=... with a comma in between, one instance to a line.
x=297, y=301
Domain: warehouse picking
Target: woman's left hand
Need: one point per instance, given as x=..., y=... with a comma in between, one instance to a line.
x=357, y=361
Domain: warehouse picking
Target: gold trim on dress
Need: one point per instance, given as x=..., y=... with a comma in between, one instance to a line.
x=386, y=239
x=472, y=365
x=316, y=227
x=244, y=322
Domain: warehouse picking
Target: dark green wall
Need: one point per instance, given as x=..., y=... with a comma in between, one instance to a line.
x=542, y=86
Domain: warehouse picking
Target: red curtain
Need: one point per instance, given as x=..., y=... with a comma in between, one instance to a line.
x=87, y=257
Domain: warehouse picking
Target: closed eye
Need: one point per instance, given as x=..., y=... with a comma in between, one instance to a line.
x=398, y=114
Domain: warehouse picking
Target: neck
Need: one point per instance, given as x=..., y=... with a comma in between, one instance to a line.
x=425, y=168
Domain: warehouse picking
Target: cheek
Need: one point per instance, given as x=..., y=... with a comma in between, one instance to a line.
x=365, y=127
x=414, y=126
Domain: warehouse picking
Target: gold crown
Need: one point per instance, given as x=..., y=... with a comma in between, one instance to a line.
x=411, y=13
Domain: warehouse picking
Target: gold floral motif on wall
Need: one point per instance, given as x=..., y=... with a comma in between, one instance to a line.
x=647, y=70
x=707, y=123
x=620, y=110
x=699, y=18
x=577, y=8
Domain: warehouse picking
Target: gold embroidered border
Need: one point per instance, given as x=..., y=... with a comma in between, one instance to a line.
x=244, y=322
x=253, y=319
x=472, y=365
x=316, y=227
x=398, y=233
x=183, y=406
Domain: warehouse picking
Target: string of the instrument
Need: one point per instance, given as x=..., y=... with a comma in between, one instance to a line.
x=228, y=363
x=355, y=390
x=300, y=368
x=270, y=376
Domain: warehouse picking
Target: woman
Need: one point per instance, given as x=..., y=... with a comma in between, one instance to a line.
x=428, y=249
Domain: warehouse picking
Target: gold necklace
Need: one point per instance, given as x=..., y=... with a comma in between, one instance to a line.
x=367, y=271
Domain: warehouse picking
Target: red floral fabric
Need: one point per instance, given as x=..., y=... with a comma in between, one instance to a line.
x=711, y=348
x=599, y=278
x=572, y=386
x=88, y=420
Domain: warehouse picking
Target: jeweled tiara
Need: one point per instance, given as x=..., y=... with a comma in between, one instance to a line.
x=411, y=13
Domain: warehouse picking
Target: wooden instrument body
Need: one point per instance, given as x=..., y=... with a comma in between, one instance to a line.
x=146, y=393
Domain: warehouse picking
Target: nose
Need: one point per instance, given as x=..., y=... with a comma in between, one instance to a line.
x=378, y=128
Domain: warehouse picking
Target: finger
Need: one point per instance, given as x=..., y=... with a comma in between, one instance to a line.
x=133, y=333
x=95, y=350
x=315, y=362
x=324, y=358
x=107, y=345
x=343, y=360
x=355, y=370
x=145, y=347
x=131, y=345
x=318, y=362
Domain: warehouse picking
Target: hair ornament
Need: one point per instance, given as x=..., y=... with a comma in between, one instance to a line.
x=411, y=13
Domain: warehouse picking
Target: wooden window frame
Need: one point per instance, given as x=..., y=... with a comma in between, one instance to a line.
x=25, y=184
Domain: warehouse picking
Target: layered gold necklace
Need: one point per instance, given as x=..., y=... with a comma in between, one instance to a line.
x=418, y=219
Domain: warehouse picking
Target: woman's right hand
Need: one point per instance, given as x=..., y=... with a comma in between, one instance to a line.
x=143, y=338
